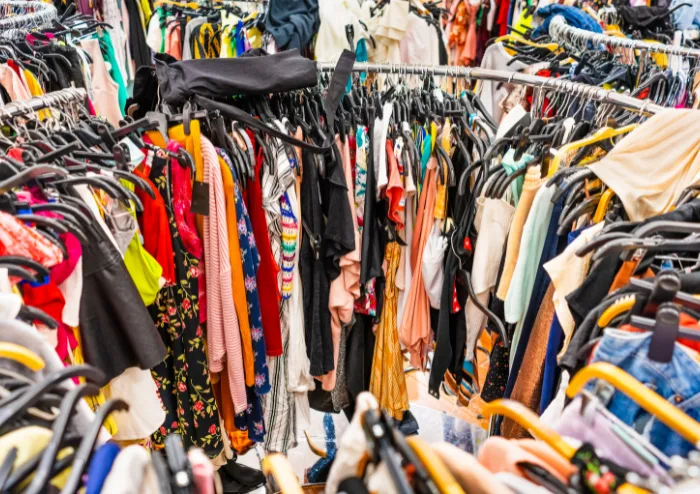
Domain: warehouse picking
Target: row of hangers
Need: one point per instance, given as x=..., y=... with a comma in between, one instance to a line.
x=389, y=446
x=49, y=403
x=68, y=148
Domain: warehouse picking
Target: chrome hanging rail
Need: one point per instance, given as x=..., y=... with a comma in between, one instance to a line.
x=59, y=98
x=477, y=73
x=561, y=32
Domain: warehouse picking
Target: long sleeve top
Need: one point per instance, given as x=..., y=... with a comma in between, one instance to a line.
x=223, y=332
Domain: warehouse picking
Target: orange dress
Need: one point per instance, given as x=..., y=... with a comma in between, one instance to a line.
x=415, y=333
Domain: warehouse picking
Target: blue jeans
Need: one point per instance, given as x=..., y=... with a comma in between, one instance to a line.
x=678, y=382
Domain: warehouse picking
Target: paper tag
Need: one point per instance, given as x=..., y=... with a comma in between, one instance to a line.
x=200, y=198
x=136, y=156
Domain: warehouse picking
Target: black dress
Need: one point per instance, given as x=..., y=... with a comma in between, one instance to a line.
x=183, y=377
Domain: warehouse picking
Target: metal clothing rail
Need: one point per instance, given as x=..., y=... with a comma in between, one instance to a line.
x=550, y=83
x=59, y=98
x=24, y=16
x=561, y=32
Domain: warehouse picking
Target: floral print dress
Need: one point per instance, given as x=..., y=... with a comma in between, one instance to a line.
x=252, y=419
x=367, y=302
x=183, y=377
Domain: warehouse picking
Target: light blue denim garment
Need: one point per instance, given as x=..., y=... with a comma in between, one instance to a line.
x=686, y=17
x=678, y=382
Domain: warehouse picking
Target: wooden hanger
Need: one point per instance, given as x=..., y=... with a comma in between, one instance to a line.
x=647, y=399
x=279, y=467
x=23, y=355
x=601, y=135
x=527, y=419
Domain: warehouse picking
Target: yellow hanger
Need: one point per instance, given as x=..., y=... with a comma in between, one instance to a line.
x=670, y=415
x=527, y=419
x=23, y=355
x=615, y=32
x=600, y=135
x=603, y=206
x=315, y=449
x=189, y=5
x=519, y=39
x=591, y=12
x=631, y=489
x=437, y=470
x=620, y=306
x=278, y=466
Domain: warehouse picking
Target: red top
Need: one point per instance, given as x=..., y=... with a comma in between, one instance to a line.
x=268, y=270
x=155, y=229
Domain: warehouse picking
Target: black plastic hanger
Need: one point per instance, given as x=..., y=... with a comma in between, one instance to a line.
x=160, y=467
x=65, y=209
x=87, y=445
x=25, y=262
x=570, y=215
x=54, y=240
x=28, y=174
x=383, y=449
x=19, y=272
x=56, y=225
x=31, y=396
x=60, y=426
x=666, y=330
x=32, y=314
x=6, y=467
x=180, y=468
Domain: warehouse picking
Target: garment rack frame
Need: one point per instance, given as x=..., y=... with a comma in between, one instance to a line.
x=550, y=83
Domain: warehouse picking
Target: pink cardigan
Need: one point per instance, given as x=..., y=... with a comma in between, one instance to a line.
x=223, y=333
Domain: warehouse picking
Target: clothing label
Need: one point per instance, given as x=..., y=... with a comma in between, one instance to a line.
x=200, y=198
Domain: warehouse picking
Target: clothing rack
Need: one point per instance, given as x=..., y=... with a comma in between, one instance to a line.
x=56, y=98
x=20, y=15
x=559, y=85
x=561, y=32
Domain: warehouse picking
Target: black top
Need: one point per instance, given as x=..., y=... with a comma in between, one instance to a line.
x=327, y=217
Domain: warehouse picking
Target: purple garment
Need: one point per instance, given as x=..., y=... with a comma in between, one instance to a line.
x=597, y=429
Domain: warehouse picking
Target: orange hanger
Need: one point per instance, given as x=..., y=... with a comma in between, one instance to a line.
x=527, y=419
x=600, y=135
x=664, y=411
x=620, y=306
x=437, y=470
x=278, y=466
x=603, y=205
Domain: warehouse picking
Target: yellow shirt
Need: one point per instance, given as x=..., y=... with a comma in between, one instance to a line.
x=30, y=441
x=35, y=90
x=441, y=199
